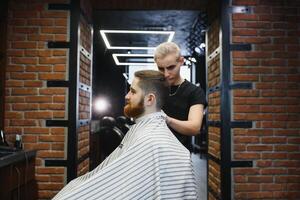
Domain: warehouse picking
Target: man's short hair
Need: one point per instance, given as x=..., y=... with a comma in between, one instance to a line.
x=155, y=82
x=165, y=49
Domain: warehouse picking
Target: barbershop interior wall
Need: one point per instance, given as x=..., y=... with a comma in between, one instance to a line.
x=28, y=101
x=273, y=103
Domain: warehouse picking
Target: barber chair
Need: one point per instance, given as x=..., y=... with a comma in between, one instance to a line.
x=110, y=136
x=123, y=124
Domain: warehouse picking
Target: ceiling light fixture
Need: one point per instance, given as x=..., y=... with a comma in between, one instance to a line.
x=149, y=56
x=108, y=45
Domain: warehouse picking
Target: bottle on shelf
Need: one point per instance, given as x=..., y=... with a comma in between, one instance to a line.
x=18, y=142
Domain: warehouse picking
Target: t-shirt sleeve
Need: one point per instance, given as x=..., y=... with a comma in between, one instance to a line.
x=197, y=97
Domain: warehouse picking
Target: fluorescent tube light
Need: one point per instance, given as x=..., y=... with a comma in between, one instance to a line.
x=108, y=45
x=116, y=55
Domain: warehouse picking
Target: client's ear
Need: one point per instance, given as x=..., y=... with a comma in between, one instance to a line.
x=150, y=99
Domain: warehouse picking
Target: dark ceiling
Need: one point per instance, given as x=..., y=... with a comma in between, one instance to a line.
x=186, y=17
x=149, y=5
x=187, y=25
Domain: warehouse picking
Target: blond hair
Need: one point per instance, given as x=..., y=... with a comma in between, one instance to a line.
x=165, y=49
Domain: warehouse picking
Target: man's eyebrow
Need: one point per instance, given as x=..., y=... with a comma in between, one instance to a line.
x=159, y=67
x=171, y=65
x=131, y=88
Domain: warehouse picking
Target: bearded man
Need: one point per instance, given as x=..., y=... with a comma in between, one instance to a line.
x=150, y=163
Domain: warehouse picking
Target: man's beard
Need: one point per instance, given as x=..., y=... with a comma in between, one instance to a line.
x=134, y=111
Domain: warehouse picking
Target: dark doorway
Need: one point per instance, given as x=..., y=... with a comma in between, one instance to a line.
x=188, y=19
x=110, y=80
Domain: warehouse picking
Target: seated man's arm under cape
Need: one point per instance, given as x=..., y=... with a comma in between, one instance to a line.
x=70, y=186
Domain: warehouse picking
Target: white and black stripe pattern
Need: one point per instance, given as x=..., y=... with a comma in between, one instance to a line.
x=150, y=163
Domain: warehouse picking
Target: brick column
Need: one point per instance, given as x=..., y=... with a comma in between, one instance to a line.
x=85, y=93
x=38, y=84
x=213, y=62
x=28, y=101
x=273, y=104
x=254, y=100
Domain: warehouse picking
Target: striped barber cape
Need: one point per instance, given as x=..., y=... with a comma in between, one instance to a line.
x=150, y=163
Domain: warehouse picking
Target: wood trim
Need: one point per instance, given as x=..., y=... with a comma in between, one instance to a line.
x=3, y=41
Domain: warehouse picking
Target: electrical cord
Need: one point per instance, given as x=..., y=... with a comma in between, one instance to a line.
x=25, y=176
x=18, y=172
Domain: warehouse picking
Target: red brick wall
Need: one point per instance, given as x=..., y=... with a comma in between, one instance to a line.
x=274, y=102
x=85, y=77
x=28, y=101
x=214, y=133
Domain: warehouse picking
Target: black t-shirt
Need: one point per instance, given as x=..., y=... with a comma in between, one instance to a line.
x=178, y=104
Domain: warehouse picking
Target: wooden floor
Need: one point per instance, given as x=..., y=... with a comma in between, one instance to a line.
x=200, y=169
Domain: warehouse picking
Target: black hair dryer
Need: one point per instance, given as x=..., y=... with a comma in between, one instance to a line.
x=2, y=139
